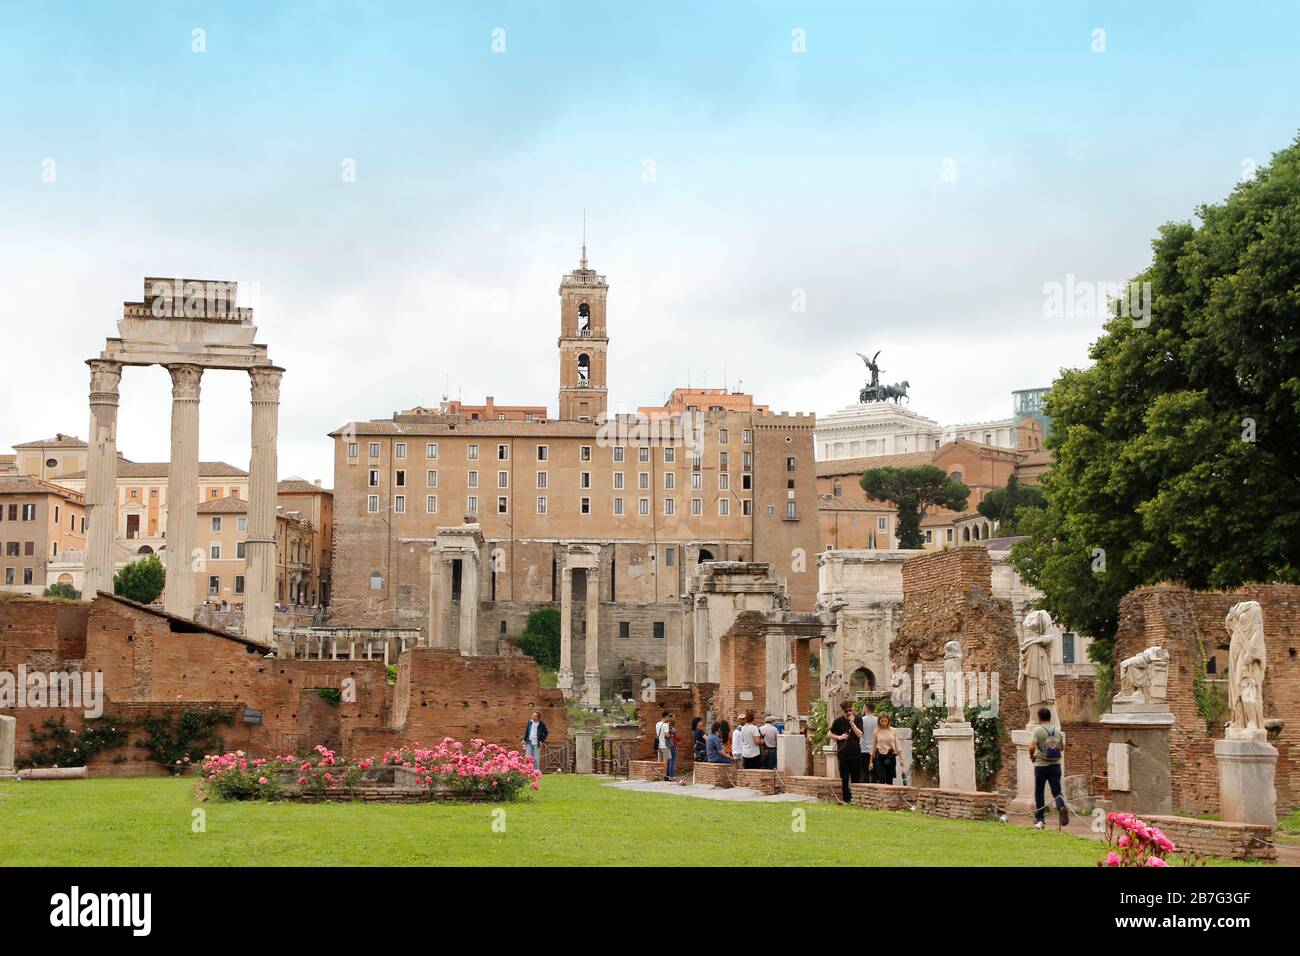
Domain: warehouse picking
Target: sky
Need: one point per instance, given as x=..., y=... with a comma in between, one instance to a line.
x=769, y=187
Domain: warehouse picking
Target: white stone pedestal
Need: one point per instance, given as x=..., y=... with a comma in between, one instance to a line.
x=956, y=742
x=1247, y=790
x=564, y=682
x=904, y=735
x=1023, y=801
x=582, y=760
x=792, y=754
x=8, y=741
x=591, y=689
x=832, y=761
x=1139, y=751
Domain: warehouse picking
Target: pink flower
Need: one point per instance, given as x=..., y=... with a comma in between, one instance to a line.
x=1155, y=861
x=1112, y=859
x=1122, y=842
x=262, y=781
x=301, y=781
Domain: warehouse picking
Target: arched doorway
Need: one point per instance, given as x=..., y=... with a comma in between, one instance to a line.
x=862, y=680
x=705, y=555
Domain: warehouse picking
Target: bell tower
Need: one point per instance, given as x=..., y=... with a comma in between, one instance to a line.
x=583, y=344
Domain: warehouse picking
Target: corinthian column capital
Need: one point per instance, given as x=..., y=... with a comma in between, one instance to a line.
x=105, y=376
x=185, y=381
x=266, y=383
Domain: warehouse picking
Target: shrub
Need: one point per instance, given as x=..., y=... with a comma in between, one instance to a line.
x=57, y=745
x=541, y=637
x=1133, y=843
x=236, y=776
x=61, y=589
x=483, y=770
x=176, y=741
x=141, y=581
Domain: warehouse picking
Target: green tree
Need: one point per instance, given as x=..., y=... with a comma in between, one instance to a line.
x=913, y=491
x=541, y=637
x=61, y=589
x=141, y=580
x=1177, y=454
x=1005, y=505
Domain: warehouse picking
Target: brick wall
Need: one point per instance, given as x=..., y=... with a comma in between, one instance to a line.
x=742, y=668
x=1190, y=623
x=1228, y=840
x=684, y=703
x=715, y=774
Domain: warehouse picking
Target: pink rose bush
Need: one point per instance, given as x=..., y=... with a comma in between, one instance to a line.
x=480, y=771
x=1133, y=843
x=236, y=776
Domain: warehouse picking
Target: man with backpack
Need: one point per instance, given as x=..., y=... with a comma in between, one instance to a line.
x=1046, y=750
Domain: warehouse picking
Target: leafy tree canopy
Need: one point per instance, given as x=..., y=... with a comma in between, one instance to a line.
x=541, y=637
x=913, y=491
x=1177, y=454
x=1005, y=505
x=142, y=580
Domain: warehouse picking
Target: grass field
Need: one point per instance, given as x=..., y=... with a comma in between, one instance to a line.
x=572, y=820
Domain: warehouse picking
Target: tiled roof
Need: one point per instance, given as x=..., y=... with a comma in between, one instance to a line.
x=58, y=441
x=229, y=505
x=158, y=469
x=301, y=486
x=842, y=503
x=29, y=485
x=856, y=466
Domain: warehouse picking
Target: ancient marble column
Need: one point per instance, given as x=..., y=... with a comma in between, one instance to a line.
x=8, y=735
x=259, y=549
x=439, y=597
x=183, y=490
x=469, y=604
x=101, y=477
x=591, y=673
x=564, y=679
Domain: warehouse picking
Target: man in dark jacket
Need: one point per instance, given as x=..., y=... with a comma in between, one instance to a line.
x=534, y=737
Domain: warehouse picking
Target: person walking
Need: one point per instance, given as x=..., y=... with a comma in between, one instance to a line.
x=882, y=752
x=751, y=754
x=1046, y=751
x=715, y=744
x=670, y=739
x=769, y=735
x=534, y=736
x=869, y=723
x=847, y=732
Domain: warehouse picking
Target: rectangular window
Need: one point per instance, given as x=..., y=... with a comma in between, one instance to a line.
x=471, y=505
x=643, y=480
x=949, y=534
x=659, y=630
x=624, y=630
x=724, y=506
x=584, y=479
x=431, y=450
x=670, y=481
x=373, y=478
x=29, y=512
x=722, y=436
x=1067, y=648
x=541, y=479
x=353, y=450
x=746, y=507
x=216, y=524
x=584, y=453
x=749, y=461
x=643, y=453
x=241, y=523
x=584, y=506
x=724, y=481
x=541, y=504
x=472, y=479
x=502, y=506
x=697, y=506
x=503, y=479
x=503, y=452
x=618, y=506
x=431, y=479
x=374, y=449
x=214, y=584
x=670, y=505
x=240, y=551
x=643, y=506
x=696, y=460
x=399, y=504
x=214, y=550
x=722, y=459
x=399, y=478
x=239, y=584
x=543, y=452
x=882, y=524
x=431, y=504
x=618, y=481
x=618, y=452
x=29, y=548
x=790, y=511
x=789, y=464
x=372, y=504
x=747, y=436
x=399, y=450
x=471, y=452
x=670, y=454
x=670, y=557
x=697, y=481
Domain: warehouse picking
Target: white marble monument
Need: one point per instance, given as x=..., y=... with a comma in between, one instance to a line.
x=1247, y=761
x=955, y=737
x=8, y=742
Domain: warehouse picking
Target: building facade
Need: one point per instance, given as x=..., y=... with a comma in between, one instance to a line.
x=647, y=498
x=40, y=523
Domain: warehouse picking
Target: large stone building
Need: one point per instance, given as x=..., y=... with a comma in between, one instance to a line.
x=646, y=499
x=39, y=523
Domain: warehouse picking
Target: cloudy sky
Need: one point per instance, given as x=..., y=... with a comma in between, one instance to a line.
x=913, y=173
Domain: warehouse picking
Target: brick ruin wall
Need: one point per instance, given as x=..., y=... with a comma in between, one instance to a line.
x=154, y=665
x=1190, y=623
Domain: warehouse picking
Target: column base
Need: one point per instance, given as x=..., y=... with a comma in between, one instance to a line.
x=564, y=681
x=1247, y=781
x=591, y=689
x=582, y=755
x=792, y=754
x=956, y=742
x=832, y=761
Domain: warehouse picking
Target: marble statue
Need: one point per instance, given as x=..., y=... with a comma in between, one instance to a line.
x=952, y=681
x=1036, y=662
x=790, y=698
x=1247, y=662
x=1145, y=676
x=832, y=685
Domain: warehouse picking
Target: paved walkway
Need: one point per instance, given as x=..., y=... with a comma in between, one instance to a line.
x=706, y=792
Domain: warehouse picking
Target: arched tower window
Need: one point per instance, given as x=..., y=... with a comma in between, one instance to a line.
x=584, y=317
x=584, y=367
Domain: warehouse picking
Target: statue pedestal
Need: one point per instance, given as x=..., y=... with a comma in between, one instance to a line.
x=1139, y=751
x=591, y=689
x=832, y=761
x=904, y=735
x=582, y=757
x=792, y=754
x=956, y=742
x=1023, y=801
x=1247, y=788
x=564, y=682
x=8, y=742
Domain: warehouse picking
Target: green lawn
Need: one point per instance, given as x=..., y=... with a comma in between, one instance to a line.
x=572, y=820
